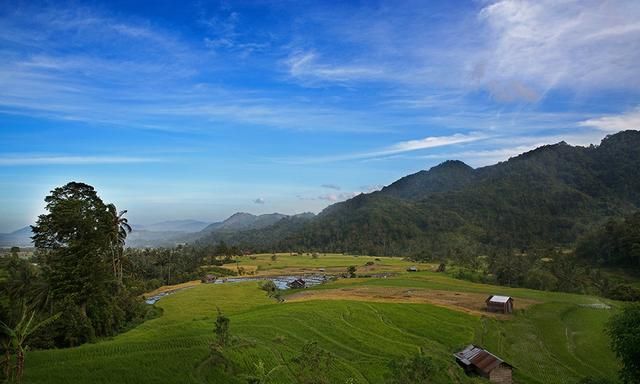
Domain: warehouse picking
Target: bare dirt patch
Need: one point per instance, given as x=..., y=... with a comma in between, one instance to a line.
x=472, y=303
x=171, y=288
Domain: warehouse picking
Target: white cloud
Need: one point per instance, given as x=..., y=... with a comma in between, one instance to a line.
x=331, y=186
x=615, y=123
x=259, y=200
x=536, y=45
x=394, y=149
x=71, y=160
x=430, y=142
x=334, y=197
x=371, y=188
x=482, y=157
x=306, y=67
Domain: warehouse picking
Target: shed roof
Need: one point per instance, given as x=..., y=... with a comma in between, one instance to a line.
x=479, y=358
x=499, y=299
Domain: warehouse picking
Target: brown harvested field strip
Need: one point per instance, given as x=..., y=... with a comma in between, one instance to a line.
x=248, y=269
x=168, y=288
x=472, y=303
x=369, y=270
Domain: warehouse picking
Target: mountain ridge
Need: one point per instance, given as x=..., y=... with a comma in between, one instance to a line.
x=548, y=196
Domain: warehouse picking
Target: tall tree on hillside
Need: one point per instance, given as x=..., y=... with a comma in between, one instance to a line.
x=75, y=240
x=118, y=235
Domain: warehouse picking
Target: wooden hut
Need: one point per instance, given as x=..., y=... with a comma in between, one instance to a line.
x=502, y=304
x=208, y=279
x=482, y=362
x=298, y=283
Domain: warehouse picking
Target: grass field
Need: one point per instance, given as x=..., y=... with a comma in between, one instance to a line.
x=262, y=264
x=553, y=340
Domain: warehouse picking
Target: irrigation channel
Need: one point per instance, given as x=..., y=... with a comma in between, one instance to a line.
x=282, y=282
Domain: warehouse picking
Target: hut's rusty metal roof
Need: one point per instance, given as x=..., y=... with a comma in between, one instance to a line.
x=479, y=358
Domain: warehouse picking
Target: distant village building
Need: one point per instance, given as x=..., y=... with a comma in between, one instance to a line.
x=412, y=269
x=482, y=362
x=298, y=283
x=502, y=304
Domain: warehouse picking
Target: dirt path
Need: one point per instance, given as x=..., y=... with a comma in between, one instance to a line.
x=170, y=288
x=472, y=303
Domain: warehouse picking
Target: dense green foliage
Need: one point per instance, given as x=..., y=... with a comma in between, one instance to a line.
x=413, y=369
x=79, y=243
x=624, y=329
x=544, y=198
x=616, y=244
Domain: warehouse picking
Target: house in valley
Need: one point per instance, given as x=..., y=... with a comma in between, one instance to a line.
x=475, y=360
x=298, y=283
x=208, y=279
x=502, y=304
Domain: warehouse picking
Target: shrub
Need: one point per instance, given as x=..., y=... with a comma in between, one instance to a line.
x=412, y=369
x=222, y=329
x=624, y=292
x=312, y=364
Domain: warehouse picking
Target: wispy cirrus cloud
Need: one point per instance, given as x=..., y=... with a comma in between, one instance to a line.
x=533, y=46
x=517, y=50
x=136, y=74
x=307, y=67
x=394, y=149
x=331, y=186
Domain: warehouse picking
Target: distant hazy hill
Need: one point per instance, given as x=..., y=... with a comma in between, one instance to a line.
x=19, y=238
x=548, y=196
x=175, y=226
x=259, y=230
x=244, y=221
x=170, y=233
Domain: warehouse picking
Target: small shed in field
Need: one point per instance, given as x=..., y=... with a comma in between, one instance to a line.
x=298, y=283
x=502, y=304
x=482, y=362
x=208, y=279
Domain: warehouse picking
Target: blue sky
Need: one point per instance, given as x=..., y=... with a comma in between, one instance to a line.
x=200, y=109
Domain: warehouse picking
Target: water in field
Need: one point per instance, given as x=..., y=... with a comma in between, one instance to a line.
x=282, y=282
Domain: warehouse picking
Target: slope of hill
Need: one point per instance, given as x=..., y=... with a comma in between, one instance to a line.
x=19, y=238
x=449, y=176
x=245, y=221
x=545, y=197
x=168, y=234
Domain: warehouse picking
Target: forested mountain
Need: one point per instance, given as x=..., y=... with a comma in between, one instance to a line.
x=617, y=244
x=546, y=197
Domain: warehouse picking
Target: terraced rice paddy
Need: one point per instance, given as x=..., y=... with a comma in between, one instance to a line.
x=550, y=339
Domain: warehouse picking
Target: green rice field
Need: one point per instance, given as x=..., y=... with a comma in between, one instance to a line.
x=558, y=339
